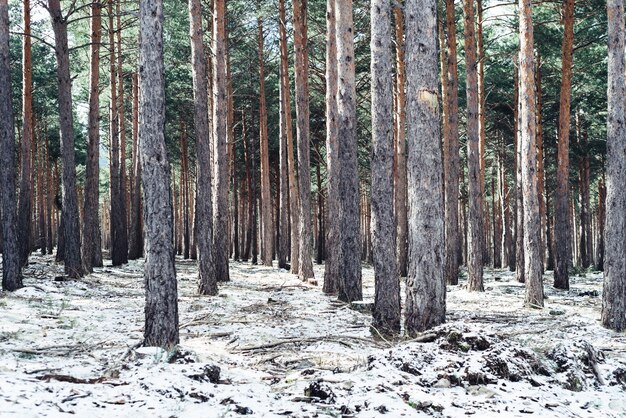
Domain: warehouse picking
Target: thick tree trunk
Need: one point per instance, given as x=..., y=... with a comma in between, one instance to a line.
x=349, y=288
x=614, y=292
x=71, y=230
x=475, y=223
x=305, y=263
x=532, y=223
x=400, y=193
x=135, y=247
x=207, y=281
x=562, y=248
x=425, y=288
x=220, y=134
x=161, y=311
x=452, y=153
x=26, y=192
x=331, y=271
x=386, y=313
x=267, y=223
x=11, y=266
x=285, y=150
x=92, y=251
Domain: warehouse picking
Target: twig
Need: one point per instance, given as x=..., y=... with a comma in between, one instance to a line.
x=76, y=396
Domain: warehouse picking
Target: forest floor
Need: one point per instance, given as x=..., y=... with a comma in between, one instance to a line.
x=285, y=349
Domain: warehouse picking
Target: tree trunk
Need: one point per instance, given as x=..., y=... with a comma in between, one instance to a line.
x=349, y=253
x=532, y=223
x=25, y=200
x=320, y=216
x=207, y=281
x=71, y=229
x=386, y=313
x=540, y=161
x=400, y=193
x=11, y=266
x=425, y=288
x=586, y=251
x=475, y=224
x=135, y=248
x=266, y=194
x=248, y=158
x=121, y=118
x=561, y=211
x=92, y=251
x=161, y=312
x=119, y=249
x=287, y=179
x=331, y=269
x=614, y=291
x=506, y=210
x=220, y=134
x=452, y=153
x=496, y=219
x=184, y=185
x=601, y=222
x=305, y=263
x=519, y=202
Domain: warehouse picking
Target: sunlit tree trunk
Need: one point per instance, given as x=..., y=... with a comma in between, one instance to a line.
x=562, y=255
x=135, y=233
x=305, y=263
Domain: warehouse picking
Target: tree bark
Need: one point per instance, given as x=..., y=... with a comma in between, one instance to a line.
x=600, y=225
x=400, y=192
x=452, y=153
x=533, y=257
x=349, y=253
x=135, y=247
x=540, y=161
x=207, y=280
x=220, y=134
x=386, y=313
x=25, y=199
x=283, y=88
x=71, y=230
x=267, y=224
x=562, y=253
x=92, y=251
x=161, y=311
x=11, y=266
x=425, y=288
x=475, y=224
x=519, y=197
x=614, y=291
x=121, y=118
x=331, y=269
x=305, y=263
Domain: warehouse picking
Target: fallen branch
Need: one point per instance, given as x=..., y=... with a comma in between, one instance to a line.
x=330, y=338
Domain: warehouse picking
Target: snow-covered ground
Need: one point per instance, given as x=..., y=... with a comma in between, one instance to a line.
x=285, y=349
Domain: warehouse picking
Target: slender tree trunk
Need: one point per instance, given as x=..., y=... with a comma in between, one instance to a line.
x=425, y=288
x=71, y=229
x=601, y=223
x=540, y=161
x=331, y=272
x=586, y=251
x=266, y=194
x=286, y=171
x=118, y=247
x=305, y=263
x=480, y=67
x=25, y=200
x=220, y=134
x=250, y=194
x=386, y=313
x=49, y=197
x=506, y=211
x=496, y=219
x=350, y=245
x=11, y=266
x=614, y=291
x=207, y=280
x=121, y=118
x=161, y=312
x=533, y=257
x=452, y=153
x=400, y=189
x=184, y=186
x=135, y=248
x=475, y=224
x=320, y=216
x=519, y=202
x=92, y=251
x=561, y=211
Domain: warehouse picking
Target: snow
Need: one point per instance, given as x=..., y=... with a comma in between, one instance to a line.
x=281, y=345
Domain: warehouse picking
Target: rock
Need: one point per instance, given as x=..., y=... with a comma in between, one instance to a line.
x=382, y=409
x=321, y=391
x=243, y=410
x=442, y=383
x=209, y=372
x=556, y=312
